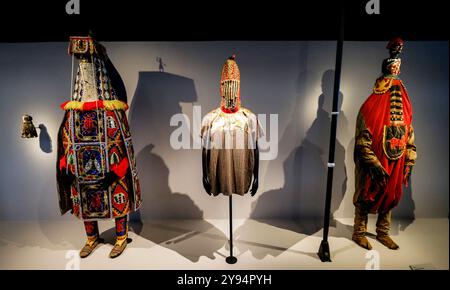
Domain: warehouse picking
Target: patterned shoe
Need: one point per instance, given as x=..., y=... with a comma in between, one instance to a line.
x=388, y=242
x=89, y=247
x=362, y=242
x=118, y=249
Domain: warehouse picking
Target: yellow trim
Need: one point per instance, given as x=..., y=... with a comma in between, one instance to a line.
x=109, y=105
x=382, y=85
x=115, y=105
x=73, y=105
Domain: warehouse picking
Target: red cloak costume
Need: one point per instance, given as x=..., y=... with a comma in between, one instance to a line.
x=384, y=140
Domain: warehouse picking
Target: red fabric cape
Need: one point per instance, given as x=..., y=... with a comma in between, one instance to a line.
x=376, y=113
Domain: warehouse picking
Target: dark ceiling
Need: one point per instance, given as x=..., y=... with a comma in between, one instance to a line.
x=134, y=20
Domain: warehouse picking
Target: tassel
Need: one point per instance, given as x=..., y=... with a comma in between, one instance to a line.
x=121, y=169
x=62, y=163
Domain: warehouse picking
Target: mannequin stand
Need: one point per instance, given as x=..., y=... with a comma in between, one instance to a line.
x=324, y=249
x=231, y=259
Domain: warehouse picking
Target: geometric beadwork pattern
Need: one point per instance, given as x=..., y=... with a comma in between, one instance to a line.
x=94, y=201
x=88, y=126
x=91, y=164
x=93, y=141
x=120, y=200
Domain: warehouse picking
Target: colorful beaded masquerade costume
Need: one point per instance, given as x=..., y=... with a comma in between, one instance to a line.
x=94, y=139
x=96, y=170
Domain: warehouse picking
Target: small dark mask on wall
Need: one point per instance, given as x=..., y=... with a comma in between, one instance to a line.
x=28, y=129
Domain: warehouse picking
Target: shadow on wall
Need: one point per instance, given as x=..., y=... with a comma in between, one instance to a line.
x=45, y=142
x=403, y=215
x=159, y=202
x=305, y=174
x=116, y=79
x=156, y=99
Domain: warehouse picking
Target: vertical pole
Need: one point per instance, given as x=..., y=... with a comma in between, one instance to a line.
x=231, y=259
x=324, y=250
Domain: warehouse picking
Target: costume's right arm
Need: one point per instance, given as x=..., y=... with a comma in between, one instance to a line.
x=365, y=155
x=363, y=145
x=411, y=154
x=205, y=158
x=63, y=179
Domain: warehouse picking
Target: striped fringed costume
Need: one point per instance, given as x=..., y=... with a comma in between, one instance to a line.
x=96, y=170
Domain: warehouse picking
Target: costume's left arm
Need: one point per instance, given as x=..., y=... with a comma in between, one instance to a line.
x=255, y=184
x=411, y=154
x=206, y=153
x=63, y=176
x=258, y=134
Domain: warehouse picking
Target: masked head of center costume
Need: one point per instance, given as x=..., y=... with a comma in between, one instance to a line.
x=230, y=81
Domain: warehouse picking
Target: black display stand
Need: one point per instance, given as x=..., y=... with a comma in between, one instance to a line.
x=324, y=250
x=231, y=259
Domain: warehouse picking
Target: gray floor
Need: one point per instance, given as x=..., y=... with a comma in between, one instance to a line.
x=202, y=244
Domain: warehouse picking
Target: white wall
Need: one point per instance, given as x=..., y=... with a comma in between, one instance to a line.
x=285, y=78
